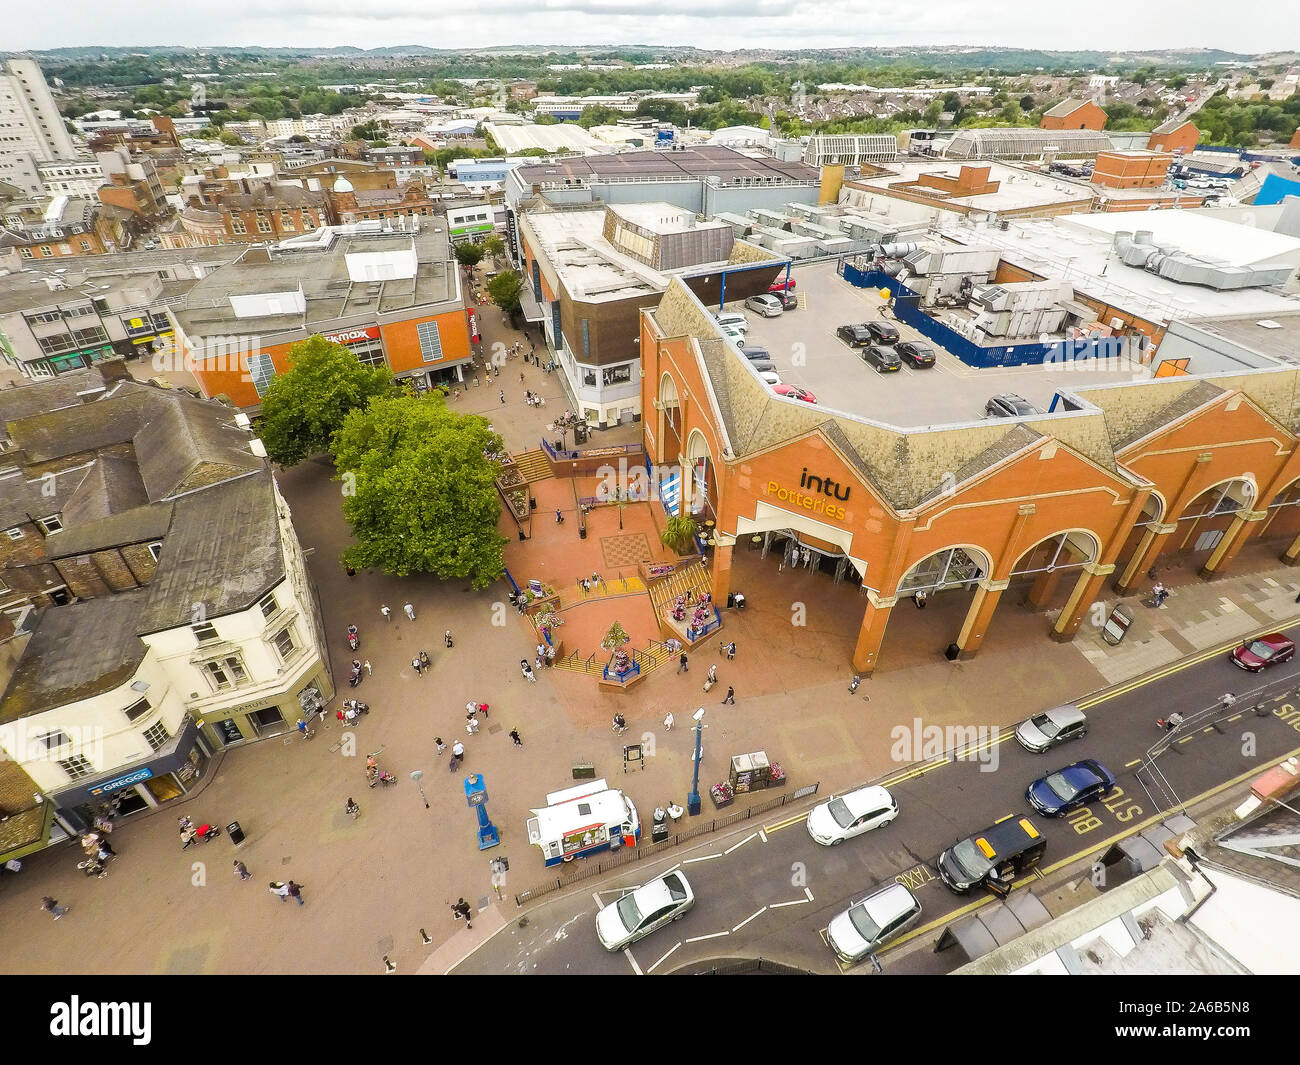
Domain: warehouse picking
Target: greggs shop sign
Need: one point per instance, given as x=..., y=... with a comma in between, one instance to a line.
x=814, y=494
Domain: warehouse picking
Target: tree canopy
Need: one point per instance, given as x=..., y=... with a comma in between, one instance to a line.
x=468, y=254
x=419, y=492
x=504, y=290
x=306, y=404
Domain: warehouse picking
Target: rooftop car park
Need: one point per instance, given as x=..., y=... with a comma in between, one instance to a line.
x=807, y=353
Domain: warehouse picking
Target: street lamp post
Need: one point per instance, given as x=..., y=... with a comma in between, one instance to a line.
x=693, y=799
x=417, y=775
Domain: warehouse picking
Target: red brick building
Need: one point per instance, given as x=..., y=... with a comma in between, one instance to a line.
x=1181, y=137
x=1074, y=114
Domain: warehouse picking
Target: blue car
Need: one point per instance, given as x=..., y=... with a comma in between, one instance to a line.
x=1075, y=785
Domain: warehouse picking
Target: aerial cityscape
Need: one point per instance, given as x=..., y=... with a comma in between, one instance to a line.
x=687, y=504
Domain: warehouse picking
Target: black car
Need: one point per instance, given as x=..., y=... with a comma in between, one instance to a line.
x=883, y=359
x=1009, y=405
x=789, y=301
x=882, y=332
x=856, y=336
x=917, y=355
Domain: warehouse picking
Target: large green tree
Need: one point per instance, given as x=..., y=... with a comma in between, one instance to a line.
x=504, y=290
x=306, y=404
x=419, y=492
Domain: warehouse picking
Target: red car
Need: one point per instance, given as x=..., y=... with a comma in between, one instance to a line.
x=1264, y=651
x=791, y=392
x=783, y=285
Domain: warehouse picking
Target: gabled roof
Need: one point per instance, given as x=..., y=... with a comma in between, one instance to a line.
x=1066, y=107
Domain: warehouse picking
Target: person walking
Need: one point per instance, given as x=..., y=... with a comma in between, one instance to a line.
x=460, y=911
x=919, y=599
x=527, y=670
x=188, y=836
x=51, y=905
x=731, y=696
x=446, y=638
x=853, y=684
x=668, y=722
x=514, y=735
x=501, y=392
x=278, y=887
x=352, y=809
x=388, y=614
x=713, y=675
x=683, y=665
x=425, y=661
x=366, y=665
x=458, y=750
x=241, y=871
x=410, y=611
x=418, y=666
x=550, y=655
x=294, y=891
x=731, y=650
x=437, y=742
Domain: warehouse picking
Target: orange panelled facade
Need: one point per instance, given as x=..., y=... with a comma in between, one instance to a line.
x=402, y=343
x=1043, y=519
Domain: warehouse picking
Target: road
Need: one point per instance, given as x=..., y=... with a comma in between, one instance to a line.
x=769, y=890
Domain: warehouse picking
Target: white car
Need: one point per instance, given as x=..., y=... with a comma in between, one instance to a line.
x=767, y=305
x=733, y=318
x=735, y=332
x=642, y=910
x=842, y=817
x=867, y=925
x=768, y=377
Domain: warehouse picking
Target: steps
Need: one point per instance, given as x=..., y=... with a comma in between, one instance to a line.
x=691, y=581
x=533, y=465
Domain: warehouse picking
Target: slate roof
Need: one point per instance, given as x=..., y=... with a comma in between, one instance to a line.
x=1065, y=107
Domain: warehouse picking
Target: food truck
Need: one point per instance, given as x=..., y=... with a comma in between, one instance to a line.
x=584, y=819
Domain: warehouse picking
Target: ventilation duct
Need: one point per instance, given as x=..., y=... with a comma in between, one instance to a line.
x=1168, y=261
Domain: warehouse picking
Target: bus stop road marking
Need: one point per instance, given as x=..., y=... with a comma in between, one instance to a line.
x=737, y=846
x=627, y=953
x=757, y=913
x=663, y=959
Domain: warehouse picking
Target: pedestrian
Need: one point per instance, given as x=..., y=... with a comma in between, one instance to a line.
x=713, y=674
x=501, y=392
x=446, y=638
x=731, y=696
x=668, y=722
x=424, y=659
x=527, y=670
x=241, y=871
x=521, y=379
x=388, y=614
x=919, y=599
x=278, y=887
x=550, y=655
x=471, y=724
x=105, y=852
x=418, y=666
x=188, y=836
x=514, y=735
x=295, y=892
x=50, y=905
x=539, y=662
x=437, y=742
x=853, y=685
x=559, y=518
x=731, y=650
x=410, y=611
x=683, y=665
x=460, y=911
x=539, y=650
x=369, y=671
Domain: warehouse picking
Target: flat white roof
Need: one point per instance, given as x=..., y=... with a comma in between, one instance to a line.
x=550, y=138
x=1197, y=234
x=1243, y=918
x=1018, y=189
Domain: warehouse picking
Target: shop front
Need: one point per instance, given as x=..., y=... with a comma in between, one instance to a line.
x=231, y=726
x=170, y=772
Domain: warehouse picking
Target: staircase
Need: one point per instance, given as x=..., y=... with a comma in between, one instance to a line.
x=533, y=465
x=690, y=581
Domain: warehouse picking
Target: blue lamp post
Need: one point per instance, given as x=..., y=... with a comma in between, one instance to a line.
x=693, y=799
x=476, y=798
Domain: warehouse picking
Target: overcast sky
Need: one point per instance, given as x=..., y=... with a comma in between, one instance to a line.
x=714, y=24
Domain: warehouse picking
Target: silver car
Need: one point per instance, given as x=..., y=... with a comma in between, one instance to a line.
x=766, y=304
x=641, y=911
x=1051, y=728
x=867, y=925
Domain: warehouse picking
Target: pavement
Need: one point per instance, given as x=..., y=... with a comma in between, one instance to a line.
x=373, y=884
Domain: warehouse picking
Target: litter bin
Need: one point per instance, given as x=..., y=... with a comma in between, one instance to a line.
x=952, y=652
x=235, y=832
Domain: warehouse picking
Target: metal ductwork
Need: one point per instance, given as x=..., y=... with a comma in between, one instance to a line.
x=893, y=251
x=1169, y=261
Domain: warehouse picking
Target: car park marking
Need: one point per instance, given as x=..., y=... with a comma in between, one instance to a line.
x=737, y=846
x=1130, y=765
x=762, y=835
x=701, y=939
x=794, y=902
x=627, y=953
x=756, y=913
x=664, y=958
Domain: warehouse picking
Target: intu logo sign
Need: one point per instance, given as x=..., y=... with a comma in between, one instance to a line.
x=815, y=494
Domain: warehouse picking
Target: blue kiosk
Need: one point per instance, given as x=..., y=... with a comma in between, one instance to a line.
x=476, y=798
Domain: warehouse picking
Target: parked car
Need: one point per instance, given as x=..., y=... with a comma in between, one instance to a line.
x=791, y=392
x=755, y=353
x=767, y=305
x=1058, y=793
x=882, y=332
x=734, y=319
x=783, y=285
x=883, y=359
x=1255, y=655
x=1009, y=405
x=992, y=857
x=871, y=922
x=789, y=301
x=763, y=365
x=844, y=816
x=769, y=377
x=917, y=355
x=855, y=336
x=641, y=911
x=1052, y=728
